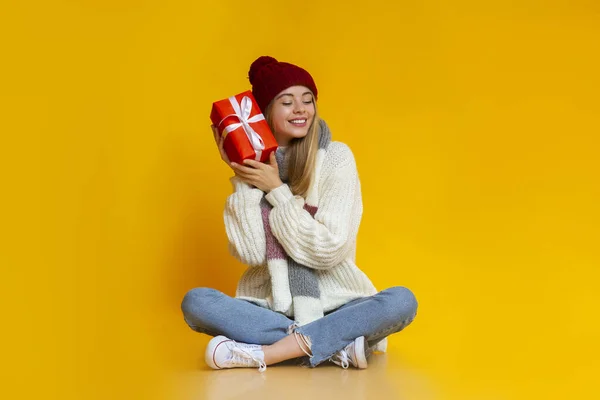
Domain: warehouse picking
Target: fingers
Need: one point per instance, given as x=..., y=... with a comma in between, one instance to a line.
x=250, y=179
x=254, y=163
x=215, y=133
x=219, y=140
x=242, y=170
x=260, y=165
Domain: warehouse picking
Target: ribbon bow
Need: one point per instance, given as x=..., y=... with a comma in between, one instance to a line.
x=242, y=112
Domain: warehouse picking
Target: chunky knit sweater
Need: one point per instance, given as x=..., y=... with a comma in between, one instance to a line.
x=318, y=232
x=325, y=241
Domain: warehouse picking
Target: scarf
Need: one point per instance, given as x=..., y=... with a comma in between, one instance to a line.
x=295, y=287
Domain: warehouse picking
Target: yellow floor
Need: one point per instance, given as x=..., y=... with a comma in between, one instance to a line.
x=387, y=377
x=421, y=363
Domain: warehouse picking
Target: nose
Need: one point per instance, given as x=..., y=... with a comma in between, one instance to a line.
x=299, y=109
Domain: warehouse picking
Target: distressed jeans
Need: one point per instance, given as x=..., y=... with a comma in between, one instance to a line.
x=375, y=317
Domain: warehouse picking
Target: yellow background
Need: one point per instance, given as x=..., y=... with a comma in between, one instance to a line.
x=475, y=129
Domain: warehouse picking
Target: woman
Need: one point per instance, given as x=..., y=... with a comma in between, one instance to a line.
x=294, y=222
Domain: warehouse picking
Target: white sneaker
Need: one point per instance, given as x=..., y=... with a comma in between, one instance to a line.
x=223, y=352
x=354, y=353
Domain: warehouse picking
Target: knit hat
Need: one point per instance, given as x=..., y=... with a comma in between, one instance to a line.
x=269, y=77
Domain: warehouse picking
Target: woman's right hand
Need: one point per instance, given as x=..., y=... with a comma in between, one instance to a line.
x=219, y=141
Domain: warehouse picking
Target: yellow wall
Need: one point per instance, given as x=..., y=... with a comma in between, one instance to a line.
x=475, y=128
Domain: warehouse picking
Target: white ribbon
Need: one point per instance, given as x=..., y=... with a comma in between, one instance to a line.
x=242, y=112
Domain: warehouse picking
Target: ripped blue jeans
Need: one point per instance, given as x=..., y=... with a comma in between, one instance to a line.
x=375, y=317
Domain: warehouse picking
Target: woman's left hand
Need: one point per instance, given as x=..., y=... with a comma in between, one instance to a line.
x=263, y=176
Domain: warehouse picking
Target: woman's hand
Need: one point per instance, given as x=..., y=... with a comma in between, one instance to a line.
x=219, y=141
x=263, y=176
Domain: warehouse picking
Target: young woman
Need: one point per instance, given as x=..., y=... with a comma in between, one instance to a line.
x=294, y=221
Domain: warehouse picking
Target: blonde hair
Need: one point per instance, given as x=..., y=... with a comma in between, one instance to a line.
x=301, y=154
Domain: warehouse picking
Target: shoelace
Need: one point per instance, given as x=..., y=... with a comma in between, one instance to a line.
x=240, y=355
x=344, y=359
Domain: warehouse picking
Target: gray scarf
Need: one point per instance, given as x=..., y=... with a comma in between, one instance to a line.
x=296, y=296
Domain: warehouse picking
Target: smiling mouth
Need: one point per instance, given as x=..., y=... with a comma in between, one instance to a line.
x=299, y=121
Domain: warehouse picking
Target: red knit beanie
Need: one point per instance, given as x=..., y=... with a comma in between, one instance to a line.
x=269, y=77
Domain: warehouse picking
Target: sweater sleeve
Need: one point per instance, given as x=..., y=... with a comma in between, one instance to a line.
x=244, y=225
x=327, y=239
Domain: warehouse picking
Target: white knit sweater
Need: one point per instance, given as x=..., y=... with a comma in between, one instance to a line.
x=326, y=242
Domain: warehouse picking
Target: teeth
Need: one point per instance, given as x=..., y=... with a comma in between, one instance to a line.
x=298, y=121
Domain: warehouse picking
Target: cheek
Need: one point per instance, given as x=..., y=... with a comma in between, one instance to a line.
x=278, y=122
x=276, y=114
x=280, y=118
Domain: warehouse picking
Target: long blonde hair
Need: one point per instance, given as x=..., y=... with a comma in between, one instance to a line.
x=301, y=153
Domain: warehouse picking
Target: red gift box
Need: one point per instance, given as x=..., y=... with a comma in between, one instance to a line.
x=247, y=134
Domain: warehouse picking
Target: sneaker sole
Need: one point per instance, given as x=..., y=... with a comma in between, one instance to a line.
x=212, y=348
x=359, y=351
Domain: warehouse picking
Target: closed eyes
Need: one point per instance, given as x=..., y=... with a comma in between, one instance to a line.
x=305, y=102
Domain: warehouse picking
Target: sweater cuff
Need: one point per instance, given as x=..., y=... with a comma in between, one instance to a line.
x=279, y=195
x=239, y=185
